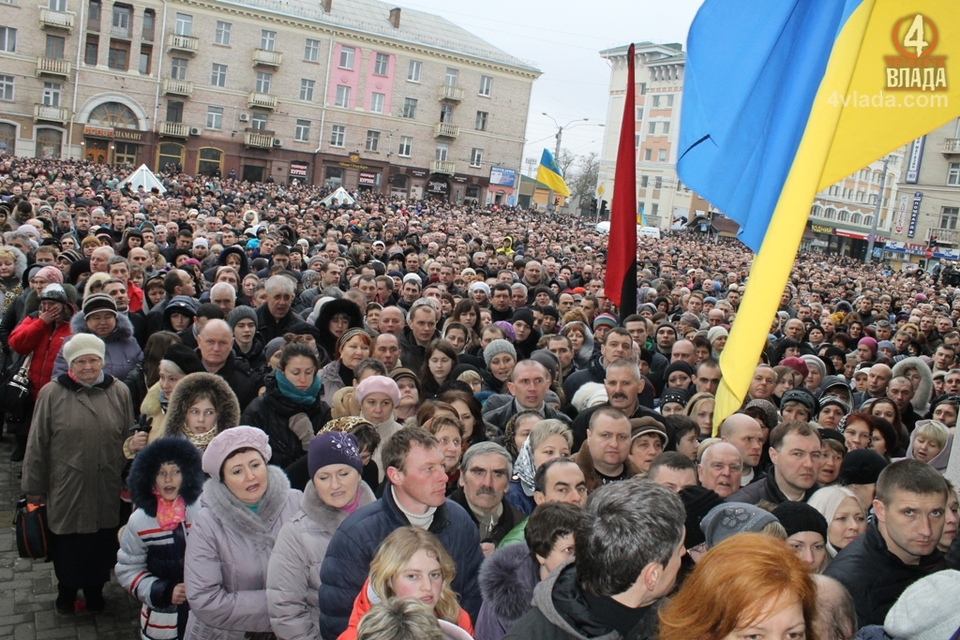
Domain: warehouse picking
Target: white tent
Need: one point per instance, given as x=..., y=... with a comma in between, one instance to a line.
x=340, y=195
x=143, y=177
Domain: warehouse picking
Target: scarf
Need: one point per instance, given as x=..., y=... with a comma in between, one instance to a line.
x=353, y=506
x=524, y=470
x=99, y=379
x=163, y=400
x=300, y=396
x=200, y=440
x=170, y=513
x=345, y=373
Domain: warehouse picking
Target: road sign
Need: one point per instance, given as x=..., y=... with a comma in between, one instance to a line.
x=600, y=190
x=928, y=253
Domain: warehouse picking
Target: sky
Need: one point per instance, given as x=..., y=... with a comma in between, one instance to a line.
x=563, y=39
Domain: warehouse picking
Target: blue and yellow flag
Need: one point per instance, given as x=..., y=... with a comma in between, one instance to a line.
x=781, y=100
x=549, y=174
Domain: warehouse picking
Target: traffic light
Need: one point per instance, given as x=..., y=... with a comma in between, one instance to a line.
x=603, y=207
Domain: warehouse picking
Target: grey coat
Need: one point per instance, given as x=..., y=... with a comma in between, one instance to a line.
x=228, y=550
x=293, y=575
x=122, y=351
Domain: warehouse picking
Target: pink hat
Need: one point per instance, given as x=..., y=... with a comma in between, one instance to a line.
x=228, y=441
x=870, y=344
x=378, y=384
x=50, y=274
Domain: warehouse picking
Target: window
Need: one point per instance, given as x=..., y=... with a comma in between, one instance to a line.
x=183, y=25
x=948, y=217
x=413, y=71
x=953, y=174
x=178, y=69
x=658, y=182
x=666, y=128
x=654, y=209
x=258, y=121
x=145, y=54
x=644, y=181
x=343, y=96
x=93, y=11
x=218, y=77
x=636, y=140
x=346, y=57
x=481, y=121
x=485, y=83
x=406, y=142
x=639, y=113
x=148, y=22
x=311, y=50
x=117, y=58
x=214, y=117
x=409, y=107
x=121, y=21
x=443, y=150
x=8, y=39
x=91, y=50
x=51, y=94
x=174, y=111
x=446, y=113
x=380, y=64
x=6, y=88
x=662, y=155
x=306, y=89
x=302, y=131
x=222, y=36
x=376, y=102
x=450, y=77
x=476, y=157
x=337, y=134
x=54, y=47
x=58, y=5
x=210, y=161
x=670, y=100
x=656, y=101
x=648, y=154
x=263, y=82
x=643, y=88
x=268, y=40
x=652, y=128
x=373, y=141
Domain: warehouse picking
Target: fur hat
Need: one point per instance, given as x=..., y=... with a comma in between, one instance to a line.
x=143, y=472
x=83, y=344
x=184, y=357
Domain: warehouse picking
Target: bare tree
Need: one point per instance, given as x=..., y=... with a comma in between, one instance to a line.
x=583, y=180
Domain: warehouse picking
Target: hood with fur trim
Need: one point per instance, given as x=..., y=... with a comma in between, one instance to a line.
x=244, y=262
x=186, y=393
x=507, y=580
x=143, y=472
x=330, y=309
x=122, y=331
x=922, y=396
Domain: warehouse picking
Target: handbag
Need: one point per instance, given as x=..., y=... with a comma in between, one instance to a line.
x=15, y=395
x=33, y=531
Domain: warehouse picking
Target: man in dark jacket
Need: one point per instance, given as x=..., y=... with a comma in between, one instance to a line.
x=795, y=454
x=486, y=471
x=625, y=388
x=628, y=548
x=529, y=384
x=215, y=348
x=275, y=317
x=901, y=547
x=421, y=329
x=414, y=496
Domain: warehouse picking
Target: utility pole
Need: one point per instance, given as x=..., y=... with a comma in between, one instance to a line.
x=876, y=213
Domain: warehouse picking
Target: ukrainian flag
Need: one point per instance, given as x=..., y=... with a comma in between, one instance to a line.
x=781, y=100
x=549, y=174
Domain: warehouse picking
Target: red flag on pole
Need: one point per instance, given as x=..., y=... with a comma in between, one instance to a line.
x=620, y=284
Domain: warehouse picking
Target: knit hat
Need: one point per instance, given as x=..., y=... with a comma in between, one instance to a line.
x=832, y=434
x=697, y=502
x=507, y=329
x=184, y=357
x=414, y=278
x=55, y=292
x=886, y=344
x=378, y=384
x=228, y=441
x=83, y=344
x=921, y=613
x=201, y=242
x=797, y=517
x=347, y=335
x=480, y=286
x=827, y=401
x=50, y=274
x=402, y=372
x=797, y=364
x=70, y=255
x=547, y=359
x=643, y=426
x=588, y=395
x=99, y=302
x=716, y=332
x=604, y=319
x=272, y=347
x=670, y=394
x=524, y=314
x=870, y=343
x=677, y=365
x=333, y=447
x=802, y=396
x=690, y=319
x=498, y=346
x=861, y=466
x=771, y=418
x=242, y=312
x=731, y=518
x=815, y=361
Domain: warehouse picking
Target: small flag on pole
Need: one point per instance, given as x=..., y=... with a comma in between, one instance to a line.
x=549, y=174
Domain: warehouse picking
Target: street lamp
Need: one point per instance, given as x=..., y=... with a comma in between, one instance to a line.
x=556, y=153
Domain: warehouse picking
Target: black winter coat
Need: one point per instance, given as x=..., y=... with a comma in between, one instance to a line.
x=765, y=488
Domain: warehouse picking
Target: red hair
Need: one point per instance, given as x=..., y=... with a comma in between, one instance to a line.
x=733, y=585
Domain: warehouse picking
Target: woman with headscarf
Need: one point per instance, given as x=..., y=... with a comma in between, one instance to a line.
x=549, y=439
x=582, y=339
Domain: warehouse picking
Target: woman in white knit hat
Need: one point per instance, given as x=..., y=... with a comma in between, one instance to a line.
x=74, y=465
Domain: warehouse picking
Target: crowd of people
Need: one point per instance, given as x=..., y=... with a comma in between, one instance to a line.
x=275, y=415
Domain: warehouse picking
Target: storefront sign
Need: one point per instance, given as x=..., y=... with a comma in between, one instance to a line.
x=298, y=170
x=914, y=214
x=368, y=178
x=914, y=249
x=913, y=163
x=417, y=173
x=501, y=176
x=127, y=134
x=438, y=187
x=109, y=132
x=98, y=132
x=460, y=179
x=843, y=233
x=818, y=228
x=353, y=165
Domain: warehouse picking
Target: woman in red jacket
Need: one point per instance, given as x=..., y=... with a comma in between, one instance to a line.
x=40, y=335
x=411, y=563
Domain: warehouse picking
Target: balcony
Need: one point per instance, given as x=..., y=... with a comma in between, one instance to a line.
x=177, y=87
x=50, y=19
x=951, y=146
x=262, y=57
x=446, y=92
x=183, y=43
x=446, y=130
x=440, y=166
x=262, y=100
x=51, y=114
x=120, y=32
x=53, y=67
x=258, y=140
x=174, y=129
x=944, y=237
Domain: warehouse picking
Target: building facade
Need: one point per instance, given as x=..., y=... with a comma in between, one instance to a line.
x=357, y=93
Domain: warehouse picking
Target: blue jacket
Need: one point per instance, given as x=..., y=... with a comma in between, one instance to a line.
x=347, y=563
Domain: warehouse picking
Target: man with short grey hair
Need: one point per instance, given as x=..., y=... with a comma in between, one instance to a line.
x=224, y=296
x=485, y=473
x=628, y=547
x=275, y=317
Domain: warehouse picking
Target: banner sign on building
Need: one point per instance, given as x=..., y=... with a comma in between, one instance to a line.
x=914, y=214
x=901, y=213
x=503, y=177
x=913, y=162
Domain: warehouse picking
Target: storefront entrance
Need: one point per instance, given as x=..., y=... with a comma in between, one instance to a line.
x=96, y=150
